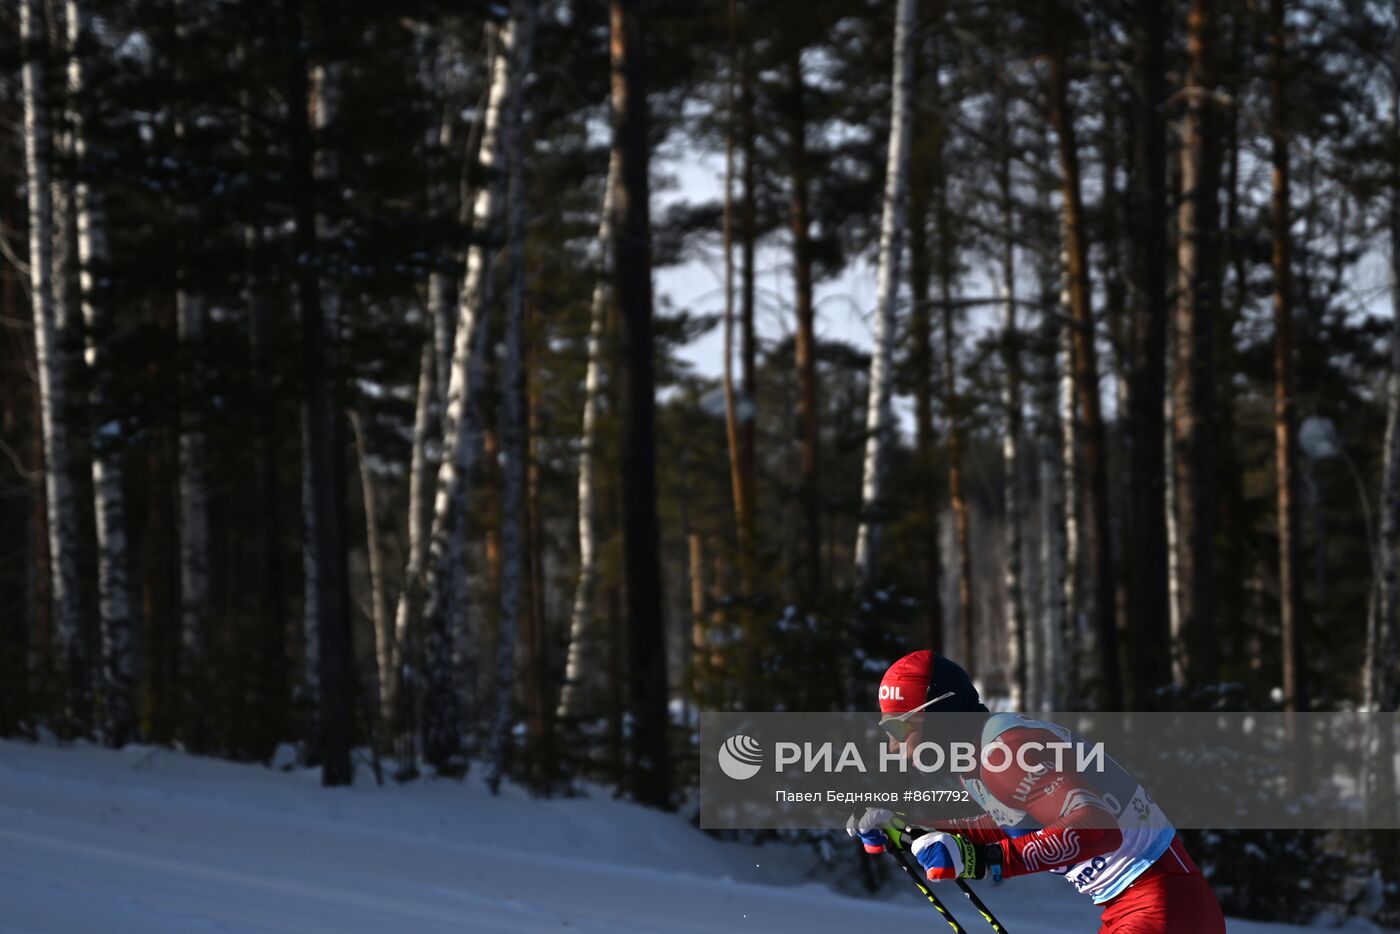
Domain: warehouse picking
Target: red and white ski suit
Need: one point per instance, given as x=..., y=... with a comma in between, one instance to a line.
x=1097, y=828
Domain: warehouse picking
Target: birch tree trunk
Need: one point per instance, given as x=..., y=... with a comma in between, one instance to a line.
x=1055, y=517
x=1193, y=379
x=513, y=428
x=379, y=613
x=1071, y=471
x=580, y=648
x=1085, y=364
x=1379, y=683
x=1011, y=438
x=114, y=599
x=430, y=404
x=1011, y=481
x=404, y=655
x=61, y=509
x=1379, y=677
x=879, y=418
x=445, y=579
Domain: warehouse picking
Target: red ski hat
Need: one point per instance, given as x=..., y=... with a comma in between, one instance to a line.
x=905, y=684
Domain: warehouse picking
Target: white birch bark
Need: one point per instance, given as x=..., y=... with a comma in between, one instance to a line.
x=445, y=580
x=1173, y=535
x=581, y=617
x=374, y=552
x=1016, y=640
x=441, y=310
x=1054, y=536
x=53, y=396
x=404, y=612
x=879, y=422
x=1050, y=642
x=1011, y=492
x=63, y=261
x=114, y=603
x=1379, y=677
x=1076, y=624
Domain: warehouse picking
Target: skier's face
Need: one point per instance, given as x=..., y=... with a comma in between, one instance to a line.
x=903, y=739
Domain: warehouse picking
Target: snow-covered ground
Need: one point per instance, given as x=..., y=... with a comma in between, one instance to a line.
x=149, y=840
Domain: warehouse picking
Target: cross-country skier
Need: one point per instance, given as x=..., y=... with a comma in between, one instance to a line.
x=1100, y=831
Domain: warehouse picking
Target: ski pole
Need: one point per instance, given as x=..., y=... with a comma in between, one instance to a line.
x=977, y=903
x=981, y=907
x=902, y=856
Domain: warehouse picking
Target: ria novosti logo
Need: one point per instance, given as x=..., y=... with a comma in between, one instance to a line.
x=740, y=757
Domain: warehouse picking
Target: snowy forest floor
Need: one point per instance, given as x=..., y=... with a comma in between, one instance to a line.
x=152, y=840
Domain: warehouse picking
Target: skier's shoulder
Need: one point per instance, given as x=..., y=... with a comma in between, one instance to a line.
x=1013, y=729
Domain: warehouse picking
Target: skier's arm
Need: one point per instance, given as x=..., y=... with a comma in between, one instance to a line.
x=1083, y=833
x=979, y=829
x=1074, y=823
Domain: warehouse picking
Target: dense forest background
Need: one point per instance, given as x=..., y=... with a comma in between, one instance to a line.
x=338, y=407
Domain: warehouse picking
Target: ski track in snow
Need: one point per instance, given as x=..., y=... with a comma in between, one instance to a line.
x=150, y=840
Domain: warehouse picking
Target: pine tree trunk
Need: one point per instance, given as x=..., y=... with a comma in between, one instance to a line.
x=61, y=508
x=962, y=524
x=1193, y=378
x=748, y=342
x=445, y=579
x=321, y=105
x=650, y=773
x=193, y=483
x=310, y=611
x=194, y=510
x=1295, y=695
x=323, y=432
x=1149, y=618
x=117, y=626
x=804, y=346
x=879, y=417
x=1085, y=364
x=535, y=623
x=921, y=357
x=20, y=658
x=581, y=653
x=273, y=628
x=520, y=38
x=1285, y=419
x=740, y=459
